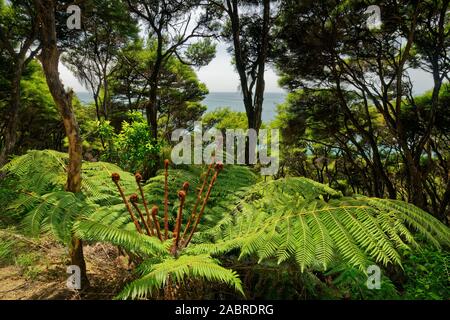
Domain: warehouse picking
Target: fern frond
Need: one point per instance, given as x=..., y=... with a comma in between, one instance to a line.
x=128, y=239
x=283, y=220
x=186, y=266
x=54, y=212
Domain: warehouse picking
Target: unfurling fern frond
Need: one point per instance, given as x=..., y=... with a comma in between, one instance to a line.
x=283, y=220
x=186, y=266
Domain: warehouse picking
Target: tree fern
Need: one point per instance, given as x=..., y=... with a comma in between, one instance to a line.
x=285, y=219
x=98, y=214
x=293, y=219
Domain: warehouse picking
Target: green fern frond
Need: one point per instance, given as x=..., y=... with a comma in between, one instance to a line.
x=186, y=266
x=283, y=220
x=126, y=238
x=42, y=205
x=54, y=212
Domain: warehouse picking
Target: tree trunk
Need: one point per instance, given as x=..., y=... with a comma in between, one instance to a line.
x=13, y=115
x=50, y=58
x=260, y=83
x=414, y=177
x=253, y=101
x=152, y=111
x=445, y=202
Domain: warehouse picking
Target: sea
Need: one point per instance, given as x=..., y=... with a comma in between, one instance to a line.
x=233, y=100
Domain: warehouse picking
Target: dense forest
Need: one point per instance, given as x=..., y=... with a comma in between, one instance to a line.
x=93, y=205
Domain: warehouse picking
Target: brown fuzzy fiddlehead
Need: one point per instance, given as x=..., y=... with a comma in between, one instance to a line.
x=138, y=179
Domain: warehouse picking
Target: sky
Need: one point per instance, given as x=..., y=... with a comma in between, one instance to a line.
x=221, y=76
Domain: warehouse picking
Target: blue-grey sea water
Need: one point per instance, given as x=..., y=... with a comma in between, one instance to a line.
x=233, y=100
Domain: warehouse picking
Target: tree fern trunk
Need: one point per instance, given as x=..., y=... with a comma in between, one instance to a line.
x=50, y=59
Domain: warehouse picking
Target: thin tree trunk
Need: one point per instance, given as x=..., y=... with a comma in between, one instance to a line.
x=13, y=116
x=151, y=110
x=260, y=83
x=50, y=58
x=414, y=177
x=253, y=101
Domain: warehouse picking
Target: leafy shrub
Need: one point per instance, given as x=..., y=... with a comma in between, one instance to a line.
x=27, y=262
x=428, y=275
x=39, y=200
x=133, y=148
x=351, y=283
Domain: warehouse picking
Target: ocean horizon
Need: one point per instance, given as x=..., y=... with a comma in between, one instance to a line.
x=233, y=100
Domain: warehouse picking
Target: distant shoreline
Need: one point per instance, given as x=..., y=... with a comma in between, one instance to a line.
x=218, y=99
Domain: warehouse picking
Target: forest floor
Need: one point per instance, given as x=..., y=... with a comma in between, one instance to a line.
x=39, y=272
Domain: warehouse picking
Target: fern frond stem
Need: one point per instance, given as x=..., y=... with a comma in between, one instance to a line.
x=127, y=205
x=208, y=193
x=149, y=222
x=149, y=231
x=155, y=220
x=166, y=200
x=177, y=229
x=199, y=197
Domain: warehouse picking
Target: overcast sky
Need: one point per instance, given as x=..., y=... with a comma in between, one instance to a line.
x=221, y=76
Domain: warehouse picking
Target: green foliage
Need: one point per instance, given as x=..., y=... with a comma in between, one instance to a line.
x=27, y=263
x=156, y=275
x=428, y=275
x=202, y=52
x=6, y=251
x=179, y=90
x=231, y=184
x=38, y=115
x=351, y=283
x=41, y=202
x=340, y=125
x=112, y=224
x=293, y=221
x=287, y=220
x=27, y=259
x=225, y=118
x=90, y=229
x=98, y=213
x=299, y=219
x=133, y=148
